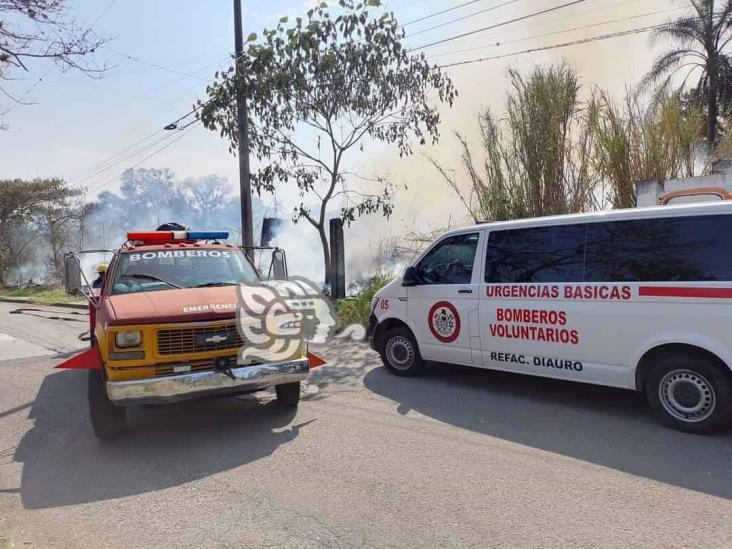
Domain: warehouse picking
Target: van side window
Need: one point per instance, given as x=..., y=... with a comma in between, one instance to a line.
x=450, y=261
x=656, y=250
x=537, y=254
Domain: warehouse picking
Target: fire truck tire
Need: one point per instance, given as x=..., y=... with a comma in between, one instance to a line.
x=400, y=353
x=288, y=394
x=108, y=420
x=691, y=393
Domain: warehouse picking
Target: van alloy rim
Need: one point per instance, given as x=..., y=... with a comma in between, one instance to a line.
x=687, y=396
x=399, y=352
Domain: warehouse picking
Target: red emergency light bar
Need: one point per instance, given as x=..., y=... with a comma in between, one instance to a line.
x=168, y=236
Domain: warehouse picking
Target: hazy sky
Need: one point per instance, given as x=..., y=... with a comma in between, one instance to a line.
x=79, y=122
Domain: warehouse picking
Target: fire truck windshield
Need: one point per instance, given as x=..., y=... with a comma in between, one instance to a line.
x=169, y=269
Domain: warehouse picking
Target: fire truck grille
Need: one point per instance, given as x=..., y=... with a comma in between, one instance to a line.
x=198, y=339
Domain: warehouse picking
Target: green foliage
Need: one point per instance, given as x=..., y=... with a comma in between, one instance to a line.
x=699, y=40
x=642, y=143
x=356, y=309
x=20, y=198
x=28, y=210
x=538, y=162
x=317, y=89
x=40, y=294
x=556, y=154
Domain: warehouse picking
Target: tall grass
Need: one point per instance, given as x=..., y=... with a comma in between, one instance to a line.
x=537, y=160
x=636, y=143
x=555, y=153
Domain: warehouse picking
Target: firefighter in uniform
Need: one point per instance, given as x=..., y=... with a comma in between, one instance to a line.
x=101, y=274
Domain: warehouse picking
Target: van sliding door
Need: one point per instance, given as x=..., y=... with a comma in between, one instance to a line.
x=526, y=324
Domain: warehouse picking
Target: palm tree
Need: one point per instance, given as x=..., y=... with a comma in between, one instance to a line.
x=699, y=42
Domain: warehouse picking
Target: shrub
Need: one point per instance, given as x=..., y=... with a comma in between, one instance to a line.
x=356, y=309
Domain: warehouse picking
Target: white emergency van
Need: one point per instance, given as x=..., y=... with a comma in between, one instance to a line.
x=639, y=299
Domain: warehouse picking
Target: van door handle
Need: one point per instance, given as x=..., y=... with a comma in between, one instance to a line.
x=465, y=291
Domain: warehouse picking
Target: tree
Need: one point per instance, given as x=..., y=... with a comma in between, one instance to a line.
x=152, y=192
x=317, y=90
x=149, y=197
x=21, y=200
x=699, y=42
x=22, y=249
x=40, y=30
x=207, y=199
x=60, y=223
x=539, y=162
x=636, y=142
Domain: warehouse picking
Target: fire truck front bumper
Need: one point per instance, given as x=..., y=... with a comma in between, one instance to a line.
x=243, y=379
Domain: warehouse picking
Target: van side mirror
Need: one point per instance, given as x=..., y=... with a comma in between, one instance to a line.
x=278, y=267
x=410, y=278
x=72, y=275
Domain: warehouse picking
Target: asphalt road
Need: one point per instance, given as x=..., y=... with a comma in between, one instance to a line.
x=456, y=458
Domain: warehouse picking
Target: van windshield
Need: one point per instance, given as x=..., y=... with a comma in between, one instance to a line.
x=173, y=269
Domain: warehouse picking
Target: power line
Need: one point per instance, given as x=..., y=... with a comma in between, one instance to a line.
x=556, y=46
x=441, y=12
x=501, y=24
x=20, y=100
x=188, y=129
x=558, y=18
x=170, y=65
x=173, y=125
x=122, y=157
x=133, y=149
x=102, y=13
x=460, y=18
x=155, y=65
x=553, y=33
x=597, y=38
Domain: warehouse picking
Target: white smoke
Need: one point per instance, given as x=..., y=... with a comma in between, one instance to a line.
x=304, y=251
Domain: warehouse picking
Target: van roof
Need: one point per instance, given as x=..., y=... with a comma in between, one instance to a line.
x=681, y=210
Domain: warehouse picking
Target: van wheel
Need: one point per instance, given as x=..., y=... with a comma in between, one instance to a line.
x=690, y=393
x=400, y=353
x=108, y=421
x=288, y=394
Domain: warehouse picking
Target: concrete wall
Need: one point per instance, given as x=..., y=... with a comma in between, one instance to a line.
x=648, y=192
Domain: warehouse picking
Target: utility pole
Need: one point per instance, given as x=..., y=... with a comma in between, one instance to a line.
x=245, y=188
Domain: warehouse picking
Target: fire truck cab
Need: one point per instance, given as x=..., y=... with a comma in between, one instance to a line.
x=163, y=326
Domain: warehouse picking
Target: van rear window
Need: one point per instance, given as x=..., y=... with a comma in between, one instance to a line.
x=656, y=250
x=638, y=250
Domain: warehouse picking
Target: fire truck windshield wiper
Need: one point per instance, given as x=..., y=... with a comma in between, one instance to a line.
x=210, y=284
x=151, y=277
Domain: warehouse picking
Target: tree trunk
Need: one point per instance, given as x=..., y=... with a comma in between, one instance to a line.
x=713, y=73
x=326, y=253
x=3, y=238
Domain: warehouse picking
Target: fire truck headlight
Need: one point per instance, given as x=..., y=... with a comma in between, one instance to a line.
x=128, y=339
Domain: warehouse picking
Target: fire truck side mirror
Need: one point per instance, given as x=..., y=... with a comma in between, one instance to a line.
x=279, y=265
x=72, y=275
